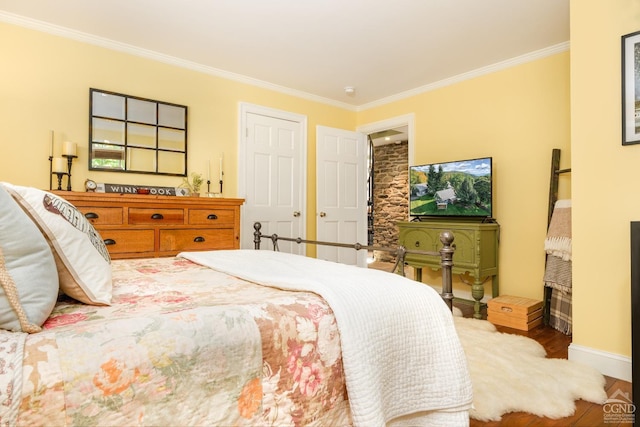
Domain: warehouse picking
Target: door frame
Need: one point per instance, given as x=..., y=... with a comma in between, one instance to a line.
x=244, y=109
x=407, y=120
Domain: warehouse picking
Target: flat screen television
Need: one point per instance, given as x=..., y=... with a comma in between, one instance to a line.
x=463, y=188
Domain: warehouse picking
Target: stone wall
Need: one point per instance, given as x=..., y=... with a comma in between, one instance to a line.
x=390, y=194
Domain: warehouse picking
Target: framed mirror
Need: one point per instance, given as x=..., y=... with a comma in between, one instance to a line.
x=138, y=135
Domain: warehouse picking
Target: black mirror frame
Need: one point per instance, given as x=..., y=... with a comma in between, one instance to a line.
x=124, y=147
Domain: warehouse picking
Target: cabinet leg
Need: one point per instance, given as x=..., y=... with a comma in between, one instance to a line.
x=495, y=287
x=417, y=274
x=477, y=292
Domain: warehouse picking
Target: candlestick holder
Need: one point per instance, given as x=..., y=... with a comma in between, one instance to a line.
x=208, y=186
x=70, y=158
x=221, y=176
x=60, y=175
x=51, y=171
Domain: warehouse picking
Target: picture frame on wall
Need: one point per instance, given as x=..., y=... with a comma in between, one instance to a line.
x=631, y=88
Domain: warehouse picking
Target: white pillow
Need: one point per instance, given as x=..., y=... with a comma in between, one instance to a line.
x=28, y=278
x=82, y=259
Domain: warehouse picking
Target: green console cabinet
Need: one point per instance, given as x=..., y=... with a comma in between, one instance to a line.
x=476, y=250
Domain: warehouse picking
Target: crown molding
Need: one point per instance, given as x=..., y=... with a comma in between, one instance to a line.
x=80, y=36
x=528, y=57
x=160, y=57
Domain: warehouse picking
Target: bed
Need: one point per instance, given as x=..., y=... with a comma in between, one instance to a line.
x=220, y=338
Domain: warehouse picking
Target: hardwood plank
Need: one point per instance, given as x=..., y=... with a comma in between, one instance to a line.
x=556, y=344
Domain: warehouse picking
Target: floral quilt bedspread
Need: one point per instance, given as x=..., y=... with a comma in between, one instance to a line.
x=181, y=345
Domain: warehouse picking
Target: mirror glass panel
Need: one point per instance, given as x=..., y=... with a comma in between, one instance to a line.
x=141, y=136
x=141, y=111
x=171, y=116
x=171, y=139
x=108, y=105
x=170, y=163
x=108, y=131
x=132, y=134
x=141, y=160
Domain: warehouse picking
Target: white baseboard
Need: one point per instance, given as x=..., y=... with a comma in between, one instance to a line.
x=609, y=364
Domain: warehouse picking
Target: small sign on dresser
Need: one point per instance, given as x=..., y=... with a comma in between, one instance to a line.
x=141, y=189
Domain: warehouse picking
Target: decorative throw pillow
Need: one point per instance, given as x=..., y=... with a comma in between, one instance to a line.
x=82, y=259
x=28, y=277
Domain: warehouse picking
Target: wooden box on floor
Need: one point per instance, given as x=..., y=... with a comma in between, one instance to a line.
x=514, y=312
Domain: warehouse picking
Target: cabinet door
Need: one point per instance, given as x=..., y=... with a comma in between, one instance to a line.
x=466, y=247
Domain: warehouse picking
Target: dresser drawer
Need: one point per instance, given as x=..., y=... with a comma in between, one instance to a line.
x=156, y=216
x=128, y=241
x=102, y=216
x=195, y=239
x=211, y=217
x=423, y=239
x=420, y=240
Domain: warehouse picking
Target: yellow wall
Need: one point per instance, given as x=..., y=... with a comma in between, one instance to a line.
x=44, y=86
x=605, y=175
x=517, y=116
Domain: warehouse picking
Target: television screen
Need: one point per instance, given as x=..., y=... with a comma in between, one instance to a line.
x=460, y=188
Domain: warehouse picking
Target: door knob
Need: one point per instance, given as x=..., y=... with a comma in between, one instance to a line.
x=323, y=214
x=296, y=213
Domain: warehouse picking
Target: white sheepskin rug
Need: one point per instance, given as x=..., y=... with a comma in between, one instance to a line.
x=510, y=373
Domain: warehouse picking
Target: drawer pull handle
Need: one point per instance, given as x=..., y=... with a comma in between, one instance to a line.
x=109, y=242
x=91, y=215
x=417, y=244
x=199, y=239
x=157, y=216
x=212, y=216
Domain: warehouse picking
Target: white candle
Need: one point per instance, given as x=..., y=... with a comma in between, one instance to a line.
x=59, y=165
x=221, y=173
x=69, y=148
x=209, y=170
x=51, y=149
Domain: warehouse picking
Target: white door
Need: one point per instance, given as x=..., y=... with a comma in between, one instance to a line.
x=272, y=175
x=341, y=160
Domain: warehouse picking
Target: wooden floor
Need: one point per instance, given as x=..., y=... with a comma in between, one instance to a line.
x=556, y=343
x=557, y=346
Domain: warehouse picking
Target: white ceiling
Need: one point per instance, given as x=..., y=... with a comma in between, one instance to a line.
x=314, y=48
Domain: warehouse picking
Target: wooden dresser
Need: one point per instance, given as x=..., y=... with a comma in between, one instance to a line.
x=138, y=226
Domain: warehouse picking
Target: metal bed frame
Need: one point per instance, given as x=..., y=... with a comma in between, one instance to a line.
x=445, y=254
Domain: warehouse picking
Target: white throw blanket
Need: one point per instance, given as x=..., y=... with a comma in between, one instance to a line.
x=558, y=240
x=400, y=351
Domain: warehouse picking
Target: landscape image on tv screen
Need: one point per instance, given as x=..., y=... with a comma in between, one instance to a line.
x=460, y=188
